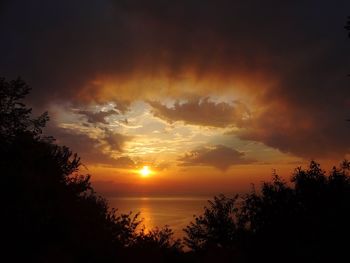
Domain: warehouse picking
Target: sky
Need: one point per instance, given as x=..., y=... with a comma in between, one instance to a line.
x=211, y=96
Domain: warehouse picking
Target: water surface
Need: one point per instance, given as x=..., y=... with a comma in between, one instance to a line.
x=176, y=212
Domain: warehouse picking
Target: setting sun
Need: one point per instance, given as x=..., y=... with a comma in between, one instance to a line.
x=145, y=171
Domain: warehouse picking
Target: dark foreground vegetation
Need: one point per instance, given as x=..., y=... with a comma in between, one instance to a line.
x=52, y=214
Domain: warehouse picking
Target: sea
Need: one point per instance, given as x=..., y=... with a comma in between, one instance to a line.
x=175, y=211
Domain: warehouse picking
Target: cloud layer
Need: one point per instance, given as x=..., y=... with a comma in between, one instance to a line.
x=286, y=60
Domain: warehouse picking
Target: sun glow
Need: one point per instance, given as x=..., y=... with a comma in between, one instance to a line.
x=145, y=171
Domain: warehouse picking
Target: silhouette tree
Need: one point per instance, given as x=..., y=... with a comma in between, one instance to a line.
x=157, y=245
x=217, y=227
x=157, y=238
x=51, y=212
x=216, y=235
x=304, y=221
x=14, y=116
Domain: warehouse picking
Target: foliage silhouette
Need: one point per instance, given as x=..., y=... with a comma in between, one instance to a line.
x=157, y=238
x=216, y=227
x=304, y=221
x=51, y=212
x=14, y=116
x=157, y=245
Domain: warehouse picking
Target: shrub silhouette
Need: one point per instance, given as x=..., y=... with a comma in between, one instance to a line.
x=157, y=238
x=51, y=211
x=217, y=227
x=305, y=221
x=157, y=245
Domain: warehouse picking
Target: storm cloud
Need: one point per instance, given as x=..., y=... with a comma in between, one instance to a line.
x=290, y=58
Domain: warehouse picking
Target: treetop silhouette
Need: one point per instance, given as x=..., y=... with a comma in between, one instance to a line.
x=305, y=221
x=51, y=212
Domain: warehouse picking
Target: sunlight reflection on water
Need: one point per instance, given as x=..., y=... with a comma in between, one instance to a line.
x=176, y=212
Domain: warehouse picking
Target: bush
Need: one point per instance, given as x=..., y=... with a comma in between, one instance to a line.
x=306, y=221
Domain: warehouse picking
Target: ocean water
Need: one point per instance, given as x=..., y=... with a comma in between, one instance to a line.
x=176, y=212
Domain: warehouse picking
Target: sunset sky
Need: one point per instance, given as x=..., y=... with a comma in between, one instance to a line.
x=211, y=96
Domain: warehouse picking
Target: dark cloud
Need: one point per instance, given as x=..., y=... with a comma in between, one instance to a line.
x=93, y=150
x=97, y=117
x=323, y=134
x=61, y=47
x=202, y=111
x=116, y=141
x=287, y=54
x=89, y=149
x=219, y=156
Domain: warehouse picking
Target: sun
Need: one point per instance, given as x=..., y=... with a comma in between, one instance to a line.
x=145, y=171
